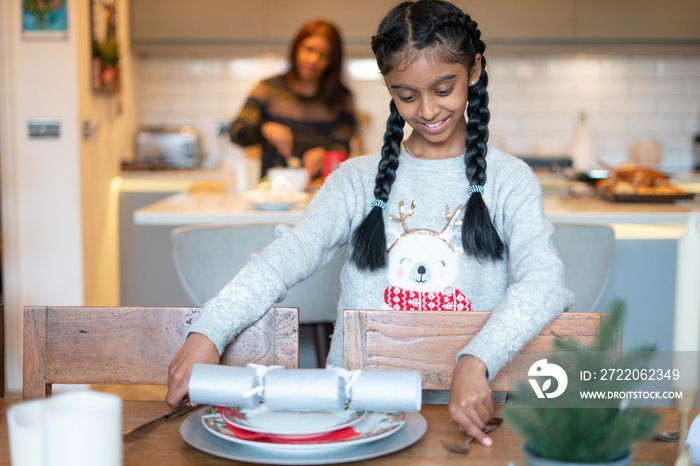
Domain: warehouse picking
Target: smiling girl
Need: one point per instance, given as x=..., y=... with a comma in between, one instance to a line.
x=435, y=222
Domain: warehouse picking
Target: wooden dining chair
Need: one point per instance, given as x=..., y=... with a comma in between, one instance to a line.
x=135, y=345
x=429, y=340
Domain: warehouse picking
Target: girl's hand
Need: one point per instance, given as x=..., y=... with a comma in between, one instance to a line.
x=279, y=136
x=313, y=160
x=470, y=403
x=196, y=349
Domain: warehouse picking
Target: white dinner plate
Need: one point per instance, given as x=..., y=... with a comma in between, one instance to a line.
x=372, y=427
x=289, y=423
x=274, y=200
x=195, y=434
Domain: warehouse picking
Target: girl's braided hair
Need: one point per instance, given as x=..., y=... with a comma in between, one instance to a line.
x=453, y=38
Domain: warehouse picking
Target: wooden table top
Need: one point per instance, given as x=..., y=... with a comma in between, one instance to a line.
x=164, y=446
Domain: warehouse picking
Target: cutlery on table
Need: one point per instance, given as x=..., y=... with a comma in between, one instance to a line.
x=667, y=436
x=146, y=428
x=466, y=446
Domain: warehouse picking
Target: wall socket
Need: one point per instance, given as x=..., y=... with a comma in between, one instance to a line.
x=44, y=127
x=91, y=129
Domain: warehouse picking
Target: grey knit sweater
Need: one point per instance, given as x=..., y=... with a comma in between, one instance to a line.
x=428, y=269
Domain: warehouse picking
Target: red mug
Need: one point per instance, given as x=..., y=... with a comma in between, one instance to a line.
x=332, y=159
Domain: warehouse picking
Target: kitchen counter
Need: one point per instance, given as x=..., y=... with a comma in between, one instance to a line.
x=164, y=180
x=202, y=208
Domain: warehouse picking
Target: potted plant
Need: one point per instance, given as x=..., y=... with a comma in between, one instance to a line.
x=568, y=433
x=108, y=51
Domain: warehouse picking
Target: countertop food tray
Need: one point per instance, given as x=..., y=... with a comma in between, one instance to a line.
x=657, y=198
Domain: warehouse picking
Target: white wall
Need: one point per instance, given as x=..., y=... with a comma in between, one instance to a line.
x=533, y=99
x=41, y=208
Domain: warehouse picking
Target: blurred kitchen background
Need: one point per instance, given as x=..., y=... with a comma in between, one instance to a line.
x=631, y=66
x=534, y=101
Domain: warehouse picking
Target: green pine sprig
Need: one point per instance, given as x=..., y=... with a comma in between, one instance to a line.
x=587, y=435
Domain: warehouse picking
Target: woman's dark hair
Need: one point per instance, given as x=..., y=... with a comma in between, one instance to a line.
x=452, y=37
x=331, y=88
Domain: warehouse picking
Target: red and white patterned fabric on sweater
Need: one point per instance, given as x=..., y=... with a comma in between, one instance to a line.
x=449, y=299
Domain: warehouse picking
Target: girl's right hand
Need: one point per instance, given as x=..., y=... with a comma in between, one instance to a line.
x=470, y=404
x=279, y=136
x=197, y=349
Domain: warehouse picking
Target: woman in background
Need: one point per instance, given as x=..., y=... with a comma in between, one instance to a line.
x=300, y=114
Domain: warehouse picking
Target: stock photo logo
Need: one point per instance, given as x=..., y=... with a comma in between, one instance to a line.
x=541, y=369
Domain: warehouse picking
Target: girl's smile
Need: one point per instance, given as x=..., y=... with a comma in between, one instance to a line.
x=436, y=127
x=432, y=96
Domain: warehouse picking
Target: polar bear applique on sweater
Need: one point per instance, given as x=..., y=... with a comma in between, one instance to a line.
x=423, y=266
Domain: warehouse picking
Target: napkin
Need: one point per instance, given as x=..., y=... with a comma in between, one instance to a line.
x=225, y=385
x=340, y=434
x=77, y=428
x=301, y=389
x=386, y=391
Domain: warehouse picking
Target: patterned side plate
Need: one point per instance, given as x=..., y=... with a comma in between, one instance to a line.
x=373, y=426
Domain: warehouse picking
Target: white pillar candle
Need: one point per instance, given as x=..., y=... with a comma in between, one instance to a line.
x=686, y=335
x=25, y=425
x=83, y=429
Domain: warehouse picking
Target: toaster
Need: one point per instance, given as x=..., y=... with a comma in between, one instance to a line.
x=167, y=147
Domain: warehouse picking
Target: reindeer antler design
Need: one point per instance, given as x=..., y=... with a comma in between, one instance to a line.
x=452, y=220
x=404, y=217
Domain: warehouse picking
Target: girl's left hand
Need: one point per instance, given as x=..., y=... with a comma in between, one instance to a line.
x=470, y=404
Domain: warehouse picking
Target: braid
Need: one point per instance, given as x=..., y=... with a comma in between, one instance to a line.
x=479, y=236
x=369, y=239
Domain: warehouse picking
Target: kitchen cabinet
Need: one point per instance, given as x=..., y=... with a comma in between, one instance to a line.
x=203, y=21
x=670, y=21
x=512, y=21
x=244, y=27
x=239, y=27
x=357, y=19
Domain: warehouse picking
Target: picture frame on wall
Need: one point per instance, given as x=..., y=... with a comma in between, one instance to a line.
x=44, y=19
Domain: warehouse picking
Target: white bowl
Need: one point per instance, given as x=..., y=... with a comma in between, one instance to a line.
x=288, y=179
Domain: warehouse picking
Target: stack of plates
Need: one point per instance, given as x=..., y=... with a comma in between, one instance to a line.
x=261, y=435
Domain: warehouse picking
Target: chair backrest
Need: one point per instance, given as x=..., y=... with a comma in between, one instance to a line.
x=135, y=345
x=429, y=340
x=586, y=251
x=208, y=256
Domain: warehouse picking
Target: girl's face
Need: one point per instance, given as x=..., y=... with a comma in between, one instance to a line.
x=432, y=97
x=313, y=58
